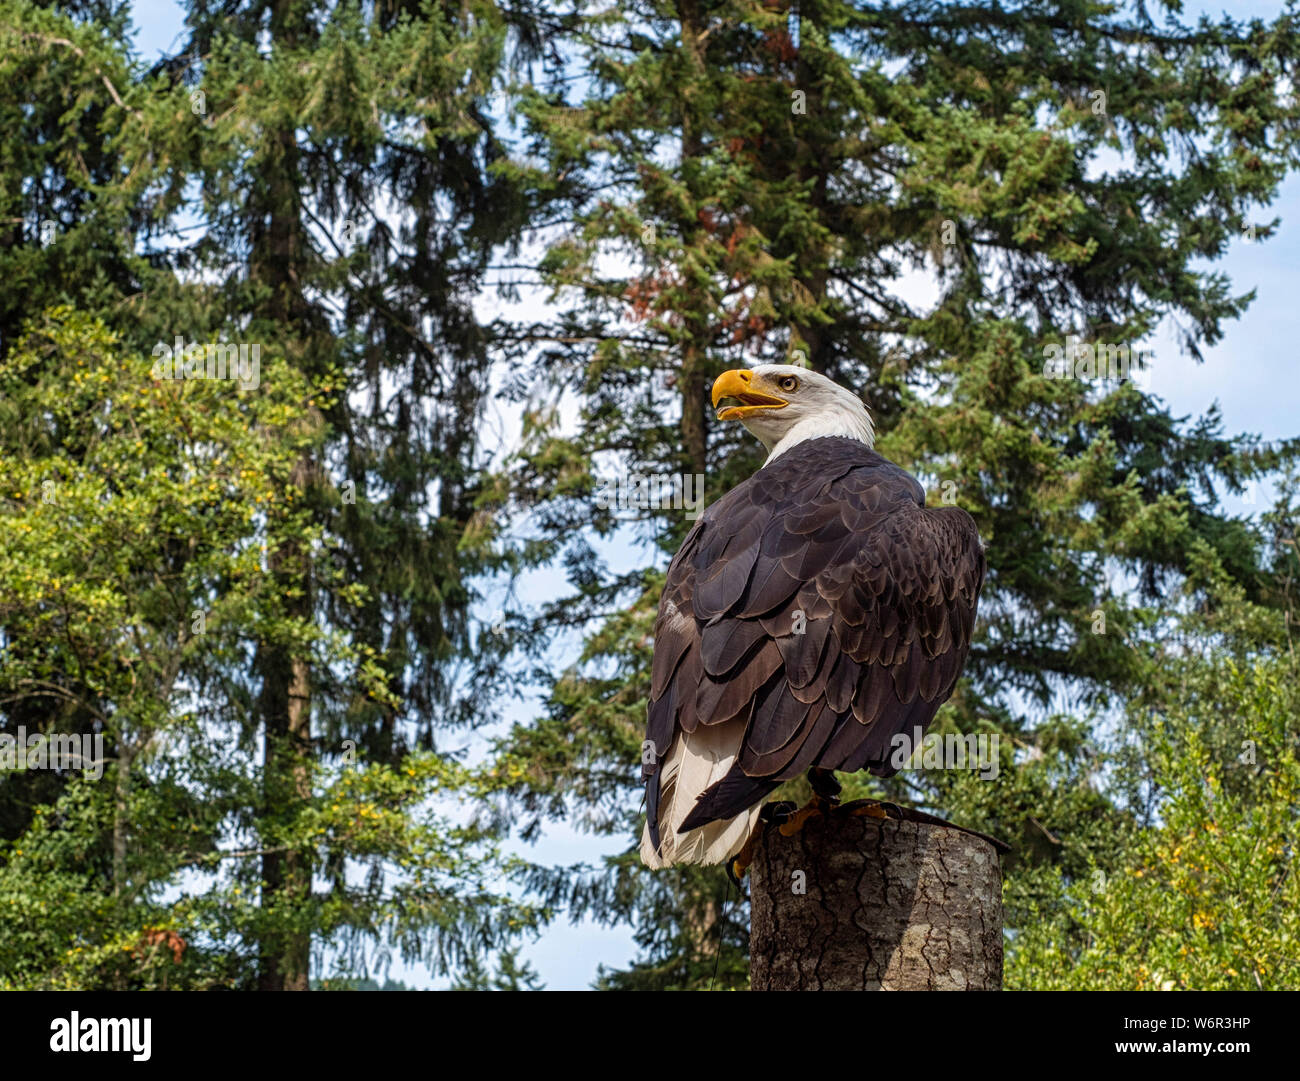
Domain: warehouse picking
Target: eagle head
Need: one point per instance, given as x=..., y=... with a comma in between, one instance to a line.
x=782, y=405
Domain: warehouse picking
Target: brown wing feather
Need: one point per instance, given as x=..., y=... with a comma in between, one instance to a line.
x=822, y=600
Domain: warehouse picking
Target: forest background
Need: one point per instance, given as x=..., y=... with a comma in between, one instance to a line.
x=367, y=648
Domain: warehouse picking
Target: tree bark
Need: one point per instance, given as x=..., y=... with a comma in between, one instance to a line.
x=853, y=902
x=280, y=252
x=693, y=382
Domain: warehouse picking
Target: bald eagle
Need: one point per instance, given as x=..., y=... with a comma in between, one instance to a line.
x=813, y=613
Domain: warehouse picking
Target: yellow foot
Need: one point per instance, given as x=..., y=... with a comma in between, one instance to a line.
x=739, y=863
x=870, y=810
x=811, y=809
x=741, y=860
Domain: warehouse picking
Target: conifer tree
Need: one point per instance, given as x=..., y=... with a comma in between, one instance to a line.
x=345, y=213
x=755, y=182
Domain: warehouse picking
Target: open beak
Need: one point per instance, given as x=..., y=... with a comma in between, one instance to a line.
x=739, y=397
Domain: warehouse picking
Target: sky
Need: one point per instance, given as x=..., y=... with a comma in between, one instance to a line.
x=1252, y=374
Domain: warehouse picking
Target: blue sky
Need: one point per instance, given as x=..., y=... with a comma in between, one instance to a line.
x=1251, y=374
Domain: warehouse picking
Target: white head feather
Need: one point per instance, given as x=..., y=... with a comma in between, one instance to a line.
x=816, y=407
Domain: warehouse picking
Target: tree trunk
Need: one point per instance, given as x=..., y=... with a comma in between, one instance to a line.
x=284, y=957
x=853, y=902
x=121, y=811
x=280, y=253
x=693, y=382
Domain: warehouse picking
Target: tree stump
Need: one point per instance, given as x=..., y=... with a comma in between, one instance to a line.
x=854, y=902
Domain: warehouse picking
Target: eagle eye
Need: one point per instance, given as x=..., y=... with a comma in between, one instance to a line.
x=788, y=383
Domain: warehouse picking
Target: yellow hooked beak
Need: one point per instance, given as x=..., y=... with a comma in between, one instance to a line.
x=739, y=391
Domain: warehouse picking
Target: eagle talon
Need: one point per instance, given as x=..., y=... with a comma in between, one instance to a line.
x=738, y=864
x=796, y=821
x=778, y=811
x=824, y=785
x=876, y=809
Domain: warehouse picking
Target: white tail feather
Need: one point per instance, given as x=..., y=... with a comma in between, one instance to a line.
x=695, y=761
